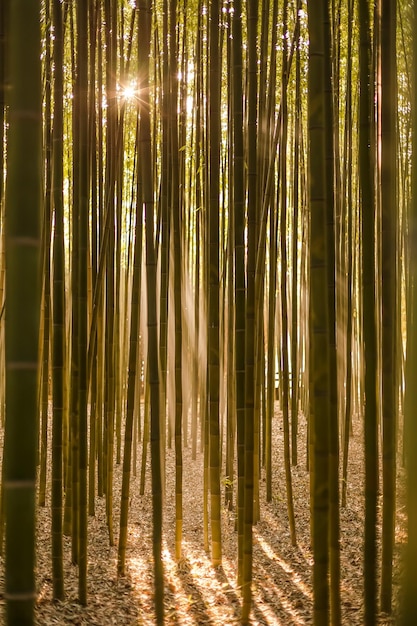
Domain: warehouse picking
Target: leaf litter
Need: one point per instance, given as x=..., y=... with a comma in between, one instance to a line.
x=195, y=591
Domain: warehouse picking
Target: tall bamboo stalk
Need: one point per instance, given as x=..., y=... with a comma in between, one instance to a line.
x=251, y=306
x=389, y=372
x=145, y=155
x=319, y=316
x=58, y=291
x=213, y=280
x=368, y=216
x=410, y=424
x=23, y=219
x=83, y=207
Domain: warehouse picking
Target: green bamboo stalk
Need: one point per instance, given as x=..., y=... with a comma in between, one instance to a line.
x=332, y=184
x=58, y=341
x=93, y=159
x=83, y=208
x=213, y=281
x=270, y=200
x=295, y=239
x=23, y=213
x=409, y=607
x=46, y=270
x=3, y=56
x=110, y=16
x=196, y=409
x=165, y=226
x=250, y=310
x=389, y=370
x=239, y=253
x=319, y=322
x=131, y=386
x=371, y=384
x=271, y=350
x=347, y=203
x=145, y=155
x=284, y=254
x=229, y=325
x=98, y=305
x=176, y=210
x=74, y=370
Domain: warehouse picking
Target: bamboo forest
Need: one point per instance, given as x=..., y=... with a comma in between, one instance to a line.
x=208, y=342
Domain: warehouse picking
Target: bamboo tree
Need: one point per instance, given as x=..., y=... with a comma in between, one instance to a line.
x=388, y=290
x=165, y=214
x=132, y=386
x=99, y=246
x=273, y=255
x=23, y=214
x=165, y=250
x=368, y=206
x=239, y=287
x=250, y=320
x=347, y=202
x=58, y=288
x=110, y=16
x=3, y=63
x=332, y=183
x=295, y=238
x=67, y=423
x=176, y=210
x=271, y=349
x=230, y=375
x=196, y=409
x=144, y=154
x=46, y=270
x=93, y=158
x=3, y=51
x=213, y=280
x=319, y=316
x=284, y=269
x=73, y=494
x=205, y=404
x=119, y=173
x=83, y=179
x=410, y=425
x=229, y=327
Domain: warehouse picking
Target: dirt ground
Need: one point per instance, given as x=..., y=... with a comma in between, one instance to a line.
x=195, y=592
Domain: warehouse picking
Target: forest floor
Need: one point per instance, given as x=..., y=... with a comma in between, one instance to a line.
x=195, y=592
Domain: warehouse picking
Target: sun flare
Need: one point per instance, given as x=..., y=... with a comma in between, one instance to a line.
x=129, y=92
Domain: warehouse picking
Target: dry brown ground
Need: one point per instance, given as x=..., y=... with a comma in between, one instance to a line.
x=195, y=592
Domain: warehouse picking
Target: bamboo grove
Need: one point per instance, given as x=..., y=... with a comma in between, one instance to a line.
x=208, y=210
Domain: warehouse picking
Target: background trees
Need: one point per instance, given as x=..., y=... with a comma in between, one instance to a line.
x=218, y=246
